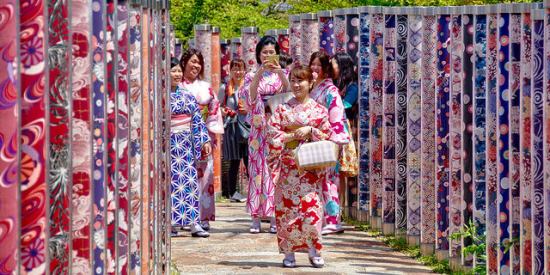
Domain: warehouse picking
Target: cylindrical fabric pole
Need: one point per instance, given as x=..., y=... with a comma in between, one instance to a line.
x=272, y=32
x=215, y=84
x=177, y=49
x=249, y=41
x=236, y=48
x=295, y=37
x=326, y=31
x=388, y=136
x=376, y=89
x=364, y=110
x=172, y=41
x=547, y=136
x=455, y=137
x=192, y=43
x=352, y=33
x=526, y=222
x=537, y=106
x=428, y=190
x=283, y=40
x=402, y=32
x=339, y=30
x=414, y=120
x=10, y=166
x=225, y=59
x=203, y=40
x=310, y=36
x=59, y=122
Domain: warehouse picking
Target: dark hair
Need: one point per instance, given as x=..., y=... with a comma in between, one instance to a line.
x=237, y=62
x=186, y=56
x=324, y=59
x=174, y=62
x=285, y=60
x=347, y=70
x=266, y=40
x=302, y=72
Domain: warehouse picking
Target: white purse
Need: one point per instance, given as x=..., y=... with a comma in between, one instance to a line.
x=316, y=155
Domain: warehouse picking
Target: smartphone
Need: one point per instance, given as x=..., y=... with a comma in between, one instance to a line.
x=273, y=58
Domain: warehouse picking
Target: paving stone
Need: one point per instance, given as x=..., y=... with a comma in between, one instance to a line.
x=232, y=250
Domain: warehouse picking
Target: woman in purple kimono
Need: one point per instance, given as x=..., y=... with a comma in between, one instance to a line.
x=269, y=79
x=188, y=135
x=192, y=63
x=326, y=94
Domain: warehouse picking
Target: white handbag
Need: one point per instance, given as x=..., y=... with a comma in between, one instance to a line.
x=316, y=155
x=278, y=99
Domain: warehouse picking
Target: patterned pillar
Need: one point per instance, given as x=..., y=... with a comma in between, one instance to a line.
x=352, y=33
x=428, y=191
x=364, y=108
x=310, y=36
x=283, y=40
x=250, y=39
x=295, y=37
x=537, y=105
x=456, y=119
x=442, y=130
x=388, y=132
x=414, y=122
x=376, y=88
x=10, y=162
x=526, y=223
x=547, y=137
x=467, y=118
x=203, y=40
x=326, y=31
x=236, y=48
x=339, y=30
x=215, y=84
x=59, y=152
x=225, y=59
x=402, y=31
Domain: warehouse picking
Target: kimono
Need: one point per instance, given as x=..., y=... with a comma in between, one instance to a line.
x=187, y=135
x=328, y=96
x=210, y=109
x=260, y=185
x=298, y=200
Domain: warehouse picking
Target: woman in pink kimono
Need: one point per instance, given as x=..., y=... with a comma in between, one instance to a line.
x=298, y=200
x=325, y=93
x=269, y=79
x=192, y=63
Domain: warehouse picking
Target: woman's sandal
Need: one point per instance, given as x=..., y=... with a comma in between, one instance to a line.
x=317, y=261
x=289, y=263
x=273, y=229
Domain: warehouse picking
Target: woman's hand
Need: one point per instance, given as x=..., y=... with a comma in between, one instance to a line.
x=272, y=66
x=303, y=133
x=207, y=149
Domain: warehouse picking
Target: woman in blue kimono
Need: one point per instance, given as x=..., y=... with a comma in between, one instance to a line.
x=188, y=141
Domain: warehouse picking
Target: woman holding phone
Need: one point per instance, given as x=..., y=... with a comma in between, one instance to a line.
x=259, y=85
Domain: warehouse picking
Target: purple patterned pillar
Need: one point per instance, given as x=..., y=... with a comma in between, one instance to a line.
x=326, y=31
x=546, y=96
x=364, y=110
x=236, y=48
x=310, y=36
x=295, y=37
x=250, y=39
x=203, y=42
x=352, y=33
x=225, y=59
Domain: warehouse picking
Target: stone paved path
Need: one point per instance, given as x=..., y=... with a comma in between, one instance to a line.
x=232, y=250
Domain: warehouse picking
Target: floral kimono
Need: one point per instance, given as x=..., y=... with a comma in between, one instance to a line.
x=298, y=201
x=187, y=135
x=260, y=184
x=211, y=113
x=328, y=96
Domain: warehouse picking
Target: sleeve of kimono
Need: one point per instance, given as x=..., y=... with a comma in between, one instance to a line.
x=214, y=122
x=336, y=117
x=322, y=129
x=351, y=95
x=198, y=128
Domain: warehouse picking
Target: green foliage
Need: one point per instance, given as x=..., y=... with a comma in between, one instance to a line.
x=477, y=247
x=232, y=15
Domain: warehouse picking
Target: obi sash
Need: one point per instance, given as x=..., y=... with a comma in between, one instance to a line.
x=180, y=123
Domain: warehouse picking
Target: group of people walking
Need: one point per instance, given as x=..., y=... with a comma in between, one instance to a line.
x=295, y=201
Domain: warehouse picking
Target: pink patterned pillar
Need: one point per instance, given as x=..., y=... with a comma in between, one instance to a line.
x=215, y=82
x=295, y=39
x=249, y=41
x=310, y=36
x=236, y=48
x=225, y=59
x=283, y=40
x=203, y=42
